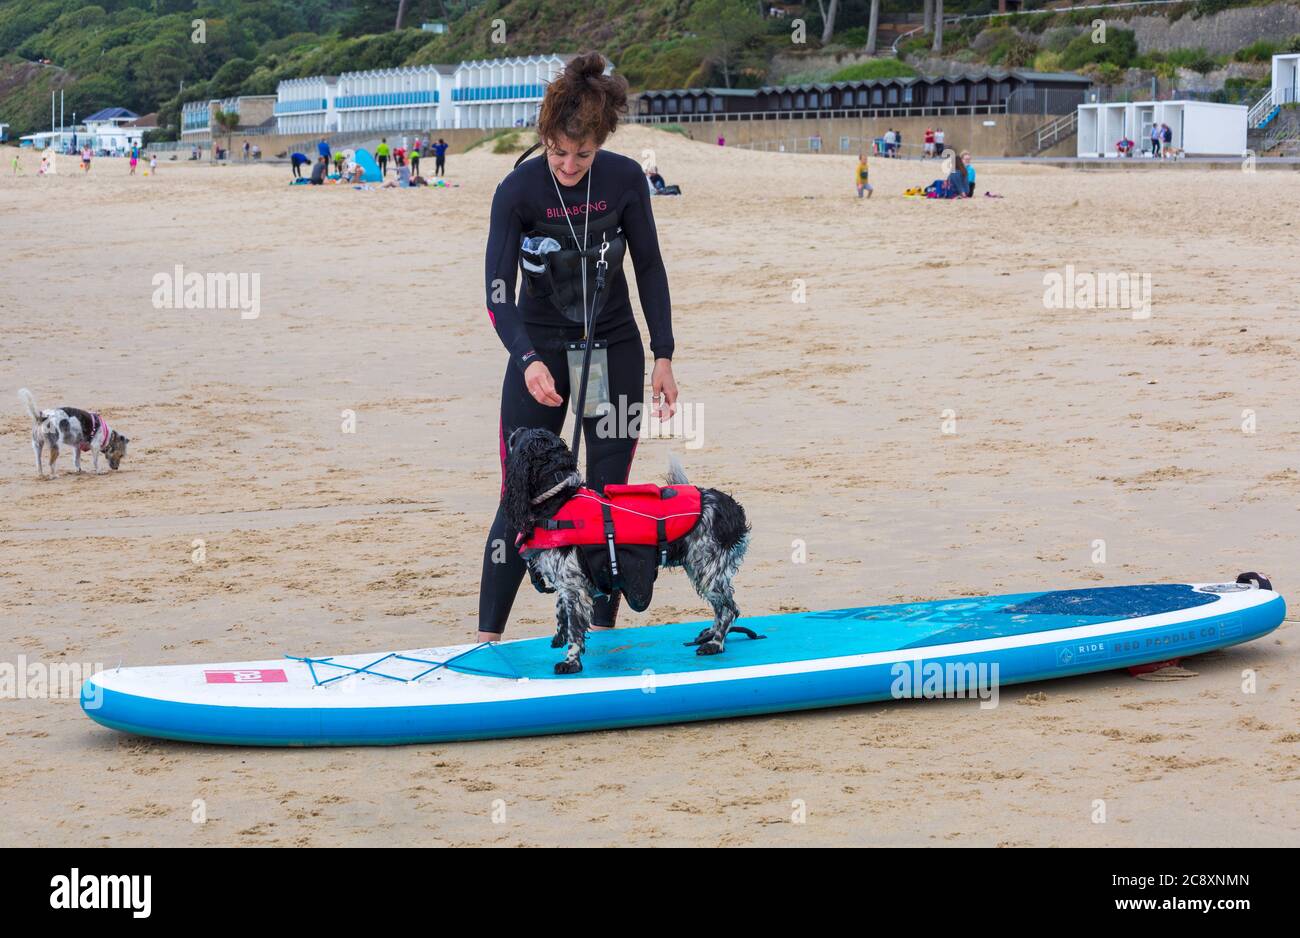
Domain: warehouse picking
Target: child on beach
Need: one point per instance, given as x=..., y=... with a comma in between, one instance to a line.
x=85, y=159
x=17, y=166
x=153, y=163
x=133, y=162
x=861, y=176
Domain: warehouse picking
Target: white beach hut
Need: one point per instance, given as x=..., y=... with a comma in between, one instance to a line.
x=1286, y=78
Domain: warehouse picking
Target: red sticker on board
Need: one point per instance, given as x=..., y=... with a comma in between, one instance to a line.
x=275, y=676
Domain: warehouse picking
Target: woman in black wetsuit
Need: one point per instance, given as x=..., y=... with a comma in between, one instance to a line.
x=580, y=203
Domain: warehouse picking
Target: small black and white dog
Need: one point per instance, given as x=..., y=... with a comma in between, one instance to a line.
x=542, y=475
x=79, y=429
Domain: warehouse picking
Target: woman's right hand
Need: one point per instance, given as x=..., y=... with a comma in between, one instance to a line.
x=541, y=385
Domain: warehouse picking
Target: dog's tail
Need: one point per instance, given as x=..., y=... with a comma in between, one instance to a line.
x=676, y=474
x=30, y=401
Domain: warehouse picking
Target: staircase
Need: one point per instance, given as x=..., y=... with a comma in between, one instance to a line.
x=1051, y=133
x=1279, y=135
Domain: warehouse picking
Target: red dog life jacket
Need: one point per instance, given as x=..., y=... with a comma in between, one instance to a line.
x=626, y=516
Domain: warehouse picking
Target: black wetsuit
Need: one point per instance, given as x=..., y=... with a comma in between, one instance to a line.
x=532, y=329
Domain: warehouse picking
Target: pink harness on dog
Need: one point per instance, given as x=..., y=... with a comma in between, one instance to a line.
x=99, y=436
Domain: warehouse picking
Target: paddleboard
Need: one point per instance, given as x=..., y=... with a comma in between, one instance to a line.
x=648, y=675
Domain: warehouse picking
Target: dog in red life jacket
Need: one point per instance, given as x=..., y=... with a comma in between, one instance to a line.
x=581, y=543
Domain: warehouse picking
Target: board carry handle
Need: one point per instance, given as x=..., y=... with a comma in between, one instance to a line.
x=1252, y=577
x=748, y=633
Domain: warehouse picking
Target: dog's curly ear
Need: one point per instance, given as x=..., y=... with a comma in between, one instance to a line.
x=517, y=497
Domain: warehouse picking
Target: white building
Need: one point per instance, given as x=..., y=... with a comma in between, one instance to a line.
x=114, y=129
x=484, y=93
x=407, y=98
x=306, y=105
x=1197, y=128
x=1284, y=90
x=61, y=139
x=504, y=92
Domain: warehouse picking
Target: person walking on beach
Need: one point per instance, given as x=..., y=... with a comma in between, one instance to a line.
x=323, y=148
x=415, y=159
x=85, y=158
x=439, y=157
x=381, y=156
x=929, y=143
x=861, y=177
x=134, y=158
x=1155, y=141
x=247, y=147
x=153, y=163
x=584, y=200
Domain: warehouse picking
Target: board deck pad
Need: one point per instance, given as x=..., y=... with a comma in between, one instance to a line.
x=648, y=675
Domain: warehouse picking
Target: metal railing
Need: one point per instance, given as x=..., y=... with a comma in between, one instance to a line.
x=886, y=110
x=1053, y=132
x=1260, y=109
x=843, y=145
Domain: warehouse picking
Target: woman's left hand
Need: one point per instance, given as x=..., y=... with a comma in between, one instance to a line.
x=663, y=389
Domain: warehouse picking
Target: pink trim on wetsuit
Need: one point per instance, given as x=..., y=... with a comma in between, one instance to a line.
x=501, y=440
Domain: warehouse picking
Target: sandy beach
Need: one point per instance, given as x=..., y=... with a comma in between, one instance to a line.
x=826, y=418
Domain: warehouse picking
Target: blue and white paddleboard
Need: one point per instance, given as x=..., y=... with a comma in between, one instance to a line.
x=643, y=676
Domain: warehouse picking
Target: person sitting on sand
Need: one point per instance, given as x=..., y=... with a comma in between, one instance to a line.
x=860, y=175
x=318, y=171
x=299, y=160
x=403, y=180
x=657, y=184
x=958, y=185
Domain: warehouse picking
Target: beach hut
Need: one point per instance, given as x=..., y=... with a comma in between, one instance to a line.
x=1203, y=128
x=1101, y=126
x=1286, y=79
